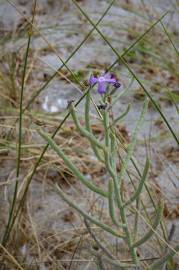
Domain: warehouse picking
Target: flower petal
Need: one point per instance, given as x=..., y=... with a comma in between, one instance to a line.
x=93, y=80
x=113, y=76
x=113, y=81
x=109, y=78
x=117, y=84
x=107, y=75
x=102, y=87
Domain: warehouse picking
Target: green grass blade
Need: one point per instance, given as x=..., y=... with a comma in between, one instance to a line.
x=171, y=41
x=7, y=230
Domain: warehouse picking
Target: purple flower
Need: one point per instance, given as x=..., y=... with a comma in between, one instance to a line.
x=103, y=80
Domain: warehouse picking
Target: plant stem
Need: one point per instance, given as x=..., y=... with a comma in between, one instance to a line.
x=7, y=230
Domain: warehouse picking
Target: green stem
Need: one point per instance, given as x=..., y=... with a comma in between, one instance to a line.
x=131, y=146
x=86, y=215
x=71, y=166
x=113, y=150
x=112, y=205
x=120, y=117
x=154, y=226
x=7, y=230
x=112, y=171
x=142, y=181
x=168, y=35
x=83, y=131
x=124, y=221
x=106, y=125
x=136, y=219
x=151, y=198
x=105, y=251
x=156, y=265
x=88, y=126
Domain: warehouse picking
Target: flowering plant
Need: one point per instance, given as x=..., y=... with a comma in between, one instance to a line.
x=104, y=80
x=106, y=151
